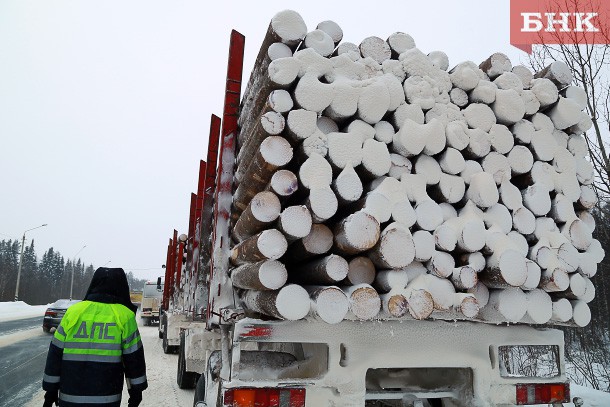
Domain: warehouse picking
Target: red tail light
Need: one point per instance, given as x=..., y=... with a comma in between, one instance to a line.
x=264, y=397
x=50, y=314
x=533, y=393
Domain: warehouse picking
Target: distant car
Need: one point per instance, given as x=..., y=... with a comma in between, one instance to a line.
x=54, y=314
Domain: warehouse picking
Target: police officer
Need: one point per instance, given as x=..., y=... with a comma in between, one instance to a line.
x=96, y=344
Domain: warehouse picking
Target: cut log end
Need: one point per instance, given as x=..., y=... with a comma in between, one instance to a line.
x=365, y=303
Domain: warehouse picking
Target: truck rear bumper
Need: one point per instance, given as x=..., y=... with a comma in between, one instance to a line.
x=363, y=362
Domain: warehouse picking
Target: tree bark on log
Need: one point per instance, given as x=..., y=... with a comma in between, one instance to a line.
x=496, y=65
x=554, y=279
x=263, y=275
x=327, y=270
x=284, y=33
x=274, y=153
x=268, y=124
x=356, y=233
x=268, y=244
x=291, y=302
x=262, y=210
x=505, y=268
x=318, y=241
x=464, y=278
x=441, y=264
x=558, y=72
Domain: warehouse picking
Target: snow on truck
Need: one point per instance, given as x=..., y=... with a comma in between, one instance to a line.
x=373, y=228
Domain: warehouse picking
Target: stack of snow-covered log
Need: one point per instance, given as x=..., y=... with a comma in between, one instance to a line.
x=375, y=181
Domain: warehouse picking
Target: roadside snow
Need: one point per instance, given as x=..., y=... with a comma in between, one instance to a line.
x=591, y=397
x=13, y=310
x=19, y=336
x=161, y=373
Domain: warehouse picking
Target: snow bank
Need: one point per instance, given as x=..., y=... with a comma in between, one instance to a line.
x=591, y=397
x=10, y=311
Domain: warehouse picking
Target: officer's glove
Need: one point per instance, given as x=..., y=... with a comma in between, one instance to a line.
x=135, y=398
x=50, y=398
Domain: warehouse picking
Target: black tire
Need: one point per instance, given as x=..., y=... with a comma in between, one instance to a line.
x=47, y=330
x=165, y=345
x=199, y=391
x=185, y=380
x=160, y=334
x=167, y=348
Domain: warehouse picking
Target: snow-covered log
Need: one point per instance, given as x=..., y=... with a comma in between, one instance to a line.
x=268, y=244
x=318, y=241
x=274, y=152
x=326, y=270
x=364, y=301
x=264, y=275
x=295, y=222
x=328, y=303
x=356, y=233
x=421, y=191
x=262, y=210
x=290, y=302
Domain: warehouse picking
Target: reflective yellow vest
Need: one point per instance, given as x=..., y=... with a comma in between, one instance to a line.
x=93, y=347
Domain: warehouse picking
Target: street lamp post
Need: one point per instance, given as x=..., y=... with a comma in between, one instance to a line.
x=21, y=260
x=72, y=278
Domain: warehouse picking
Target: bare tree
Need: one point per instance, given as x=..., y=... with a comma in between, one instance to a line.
x=589, y=61
x=588, y=58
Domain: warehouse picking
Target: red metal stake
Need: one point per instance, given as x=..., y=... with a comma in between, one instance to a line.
x=224, y=184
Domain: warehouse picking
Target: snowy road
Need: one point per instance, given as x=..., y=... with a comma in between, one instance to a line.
x=160, y=368
x=9, y=327
x=23, y=350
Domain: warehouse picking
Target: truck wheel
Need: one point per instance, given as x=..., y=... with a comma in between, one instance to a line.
x=199, y=399
x=160, y=334
x=185, y=380
x=166, y=349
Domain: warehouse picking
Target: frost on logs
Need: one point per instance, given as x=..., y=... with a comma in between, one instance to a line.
x=377, y=181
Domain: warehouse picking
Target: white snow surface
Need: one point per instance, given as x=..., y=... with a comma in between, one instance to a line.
x=13, y=310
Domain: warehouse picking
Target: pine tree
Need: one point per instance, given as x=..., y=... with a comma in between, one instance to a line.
x=29, y=276
x=9, y=263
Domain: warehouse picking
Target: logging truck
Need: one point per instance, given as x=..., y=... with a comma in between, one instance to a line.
x=311, y=280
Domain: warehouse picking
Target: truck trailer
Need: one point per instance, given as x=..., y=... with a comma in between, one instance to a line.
x=261, y=315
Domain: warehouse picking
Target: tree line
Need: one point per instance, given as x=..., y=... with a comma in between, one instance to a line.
x=48, y=279
x=588, y=349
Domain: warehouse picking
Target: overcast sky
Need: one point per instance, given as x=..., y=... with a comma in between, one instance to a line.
x=105, y=105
